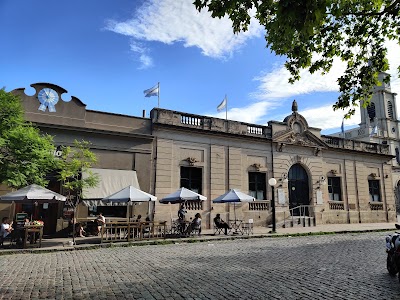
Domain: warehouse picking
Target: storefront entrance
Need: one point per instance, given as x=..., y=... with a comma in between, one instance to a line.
x=298, y=188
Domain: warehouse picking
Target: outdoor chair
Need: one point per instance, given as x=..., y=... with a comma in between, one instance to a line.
x=195, y=229
x=9, y=238
x=248, y=227
x=218, y=230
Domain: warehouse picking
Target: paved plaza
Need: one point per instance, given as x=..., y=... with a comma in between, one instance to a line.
x=336, y=266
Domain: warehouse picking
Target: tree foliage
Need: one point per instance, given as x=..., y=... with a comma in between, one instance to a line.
x=74, y=162
x=26, y=155
x=311, y=33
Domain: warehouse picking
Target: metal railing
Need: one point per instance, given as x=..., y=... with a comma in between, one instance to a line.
x=132, y=231
x=260, y=205
x=305, y=215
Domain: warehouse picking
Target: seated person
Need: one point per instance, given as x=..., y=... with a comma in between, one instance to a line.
x=101, y=221
x=139, y=218
x=79, y=231
x=196, y=223
x=219, y=223
x=5, y=229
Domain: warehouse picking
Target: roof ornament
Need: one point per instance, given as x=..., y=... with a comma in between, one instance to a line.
x=294, y=106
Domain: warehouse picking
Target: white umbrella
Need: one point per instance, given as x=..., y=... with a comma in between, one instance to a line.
x=234, y=196
x=31, y=193
x=182, y=195
x=129, y=195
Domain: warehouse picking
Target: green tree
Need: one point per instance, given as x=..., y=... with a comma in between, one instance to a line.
x=74, y=162
x=26, y=155
x=311, y=33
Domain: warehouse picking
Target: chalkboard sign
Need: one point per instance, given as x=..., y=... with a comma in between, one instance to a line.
x=20, y=219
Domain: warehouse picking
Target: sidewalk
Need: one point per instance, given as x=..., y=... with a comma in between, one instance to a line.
x=63, y=244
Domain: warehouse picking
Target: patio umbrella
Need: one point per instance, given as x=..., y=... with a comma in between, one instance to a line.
x=31, y=193
x=182, y=195
x=129, y=195
x=234, y=196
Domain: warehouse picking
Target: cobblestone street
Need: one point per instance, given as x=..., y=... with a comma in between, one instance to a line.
x=341, y=266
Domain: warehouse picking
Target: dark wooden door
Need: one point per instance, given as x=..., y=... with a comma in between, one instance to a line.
x=298, y=188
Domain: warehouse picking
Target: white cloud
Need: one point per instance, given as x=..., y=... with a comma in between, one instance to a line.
x=325, y=118
x=144, y=58
x=275, y=84
x=172, y=21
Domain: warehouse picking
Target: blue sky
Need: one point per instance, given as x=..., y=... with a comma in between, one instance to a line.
x=107, y=53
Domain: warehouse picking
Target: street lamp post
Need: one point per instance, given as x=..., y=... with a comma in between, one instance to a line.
x=272, y=183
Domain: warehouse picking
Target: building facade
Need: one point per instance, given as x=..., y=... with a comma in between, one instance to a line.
x=331, y=179
x=380, y=124
x=123, y=145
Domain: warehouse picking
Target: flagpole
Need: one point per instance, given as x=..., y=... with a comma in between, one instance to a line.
x=158, y=94
x=226, y=108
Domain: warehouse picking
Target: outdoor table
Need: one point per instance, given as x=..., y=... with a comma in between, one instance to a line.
x=32, y=230
x=236, y=225
x=180, y=227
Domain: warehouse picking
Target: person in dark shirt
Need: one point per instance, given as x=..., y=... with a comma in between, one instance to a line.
x=221, y=223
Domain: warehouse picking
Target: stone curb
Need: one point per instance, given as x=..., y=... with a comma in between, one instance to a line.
x=179, y=241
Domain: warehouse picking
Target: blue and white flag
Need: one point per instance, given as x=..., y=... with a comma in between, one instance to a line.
x=152, y=91
x=222, y=105
x=374, y=130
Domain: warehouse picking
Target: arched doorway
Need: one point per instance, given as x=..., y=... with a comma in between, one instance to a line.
x=298, y=188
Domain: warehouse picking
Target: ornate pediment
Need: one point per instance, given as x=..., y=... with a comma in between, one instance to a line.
x=305, y=138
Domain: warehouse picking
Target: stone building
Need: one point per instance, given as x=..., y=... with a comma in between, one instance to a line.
x=331, y=179
x=123, y=145
x=380, y=124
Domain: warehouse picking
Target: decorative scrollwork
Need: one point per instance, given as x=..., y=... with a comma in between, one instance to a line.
x=191, y=161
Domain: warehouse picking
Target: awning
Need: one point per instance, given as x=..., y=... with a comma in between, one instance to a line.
x=110, y=182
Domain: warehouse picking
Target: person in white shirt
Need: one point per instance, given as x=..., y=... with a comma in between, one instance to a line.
x=5, y=228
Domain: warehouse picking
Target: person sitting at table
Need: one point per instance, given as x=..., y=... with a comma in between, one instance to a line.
x=221, y=223
x=5, y=229
x=101, y=221
x=196, y=223
x=139, y=218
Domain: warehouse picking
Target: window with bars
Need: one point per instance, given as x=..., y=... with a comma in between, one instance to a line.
x=334, y=189
x=257, y=185
x=374, y=191
x=192, y=179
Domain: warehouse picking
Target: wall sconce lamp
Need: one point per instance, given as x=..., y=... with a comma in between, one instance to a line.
x=284, y=178
x=321, y=181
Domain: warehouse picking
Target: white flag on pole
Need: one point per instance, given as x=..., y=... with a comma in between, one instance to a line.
x=374, y=130
x=152, y=91
x=222, y=105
